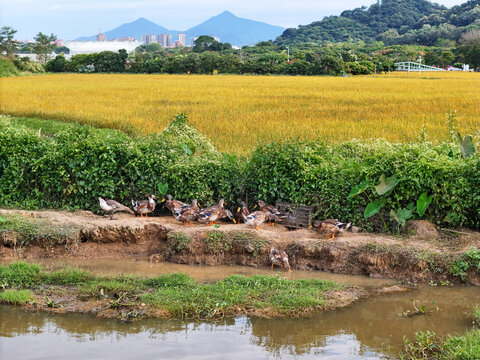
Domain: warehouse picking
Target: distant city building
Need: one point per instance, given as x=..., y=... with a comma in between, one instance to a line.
x=182, y=39
x=149, y=39
x=165, y=40
x=101, y=37
x=192, y=41
x=90, y=47
x=125, y=38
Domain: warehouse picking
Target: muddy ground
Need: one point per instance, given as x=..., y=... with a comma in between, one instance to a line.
x=422, y=256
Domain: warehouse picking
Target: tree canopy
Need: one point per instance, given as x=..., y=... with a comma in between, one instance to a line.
x=391, y=21
x=44, y=46
x=8, y=45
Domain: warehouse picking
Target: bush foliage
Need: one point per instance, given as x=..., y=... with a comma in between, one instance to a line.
x=71, y=168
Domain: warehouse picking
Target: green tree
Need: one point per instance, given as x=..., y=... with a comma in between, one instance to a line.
x=208, y=63
x=44, y=46
x=8, y=45
x=57, y=64
x=470, y=47
x=447, y=58
x=205, y=43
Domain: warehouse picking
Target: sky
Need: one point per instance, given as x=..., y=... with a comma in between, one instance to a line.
x=69, y=19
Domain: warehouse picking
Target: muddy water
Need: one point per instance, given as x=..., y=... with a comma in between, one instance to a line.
x=143, y=267
x=362, y=331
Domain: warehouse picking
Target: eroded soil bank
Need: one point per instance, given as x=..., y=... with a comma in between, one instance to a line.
x=421, y=257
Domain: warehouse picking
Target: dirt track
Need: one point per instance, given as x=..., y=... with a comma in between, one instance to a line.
x=405, y=258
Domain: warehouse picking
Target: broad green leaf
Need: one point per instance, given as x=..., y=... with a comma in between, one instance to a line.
x=162, y=188
x=422, y=203
x=2, y=219
x=372, y=209
x=386, y=185
x=466, y=145
x=360, y=188
x=401, y=215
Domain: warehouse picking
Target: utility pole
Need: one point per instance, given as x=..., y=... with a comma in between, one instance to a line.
x=288, y=53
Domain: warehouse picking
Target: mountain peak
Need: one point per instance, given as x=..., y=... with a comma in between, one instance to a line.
x=141, y=20
x=226, y=13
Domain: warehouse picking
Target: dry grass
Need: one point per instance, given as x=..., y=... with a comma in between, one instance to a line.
x=237, y=112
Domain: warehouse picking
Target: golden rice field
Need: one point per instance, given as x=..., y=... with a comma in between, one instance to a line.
x=237, y=112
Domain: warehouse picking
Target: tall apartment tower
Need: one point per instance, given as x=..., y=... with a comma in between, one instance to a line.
x=101, y=37
x=165, y=40
x=182, y=39
x=149, y=39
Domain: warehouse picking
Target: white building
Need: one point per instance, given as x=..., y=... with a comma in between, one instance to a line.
x=165, y=40
x=148, y=39
x=90, y=47
x=182, y=39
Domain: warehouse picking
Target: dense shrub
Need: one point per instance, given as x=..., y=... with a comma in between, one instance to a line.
x=323, y=176
x=7, y=68
x=25, y=64
x=75, y=166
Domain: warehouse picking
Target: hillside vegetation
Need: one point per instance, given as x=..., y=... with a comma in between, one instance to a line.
x=391, y=21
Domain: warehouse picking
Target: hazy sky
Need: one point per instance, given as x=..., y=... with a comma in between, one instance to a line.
x=69, y=19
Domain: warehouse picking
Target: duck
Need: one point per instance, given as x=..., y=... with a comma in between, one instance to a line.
x=187, y=213
x=144, y=207
x=256, y=218
x=280, y=258
x=242, y=212
x=331, y=227
x=213, y=213
x=111, y=206
x=174, y=205
x=227, y=214
x=272, y=212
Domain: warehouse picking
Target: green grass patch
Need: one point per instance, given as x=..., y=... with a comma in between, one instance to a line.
x=16, y=297
x=428, y=345
x=179, y=294
x=275, y=294
x=19, y=274
x=22, y=230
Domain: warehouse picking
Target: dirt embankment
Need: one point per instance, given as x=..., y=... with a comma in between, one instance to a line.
x=424, y=256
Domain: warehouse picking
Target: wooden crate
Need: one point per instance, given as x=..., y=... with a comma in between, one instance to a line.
x=297, y=216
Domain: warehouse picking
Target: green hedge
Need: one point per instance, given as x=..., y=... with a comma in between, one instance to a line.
x=72, y=168
x=323, y=176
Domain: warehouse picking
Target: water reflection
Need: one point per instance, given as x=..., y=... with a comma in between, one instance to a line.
x=360, y=331
x=27, y=335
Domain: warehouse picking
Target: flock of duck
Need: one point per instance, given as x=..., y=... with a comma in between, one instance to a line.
x=187, y=213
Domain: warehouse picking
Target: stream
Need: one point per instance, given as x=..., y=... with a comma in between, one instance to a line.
x=368, y=329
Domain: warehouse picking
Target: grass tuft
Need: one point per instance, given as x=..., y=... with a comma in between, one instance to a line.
x=16, y=297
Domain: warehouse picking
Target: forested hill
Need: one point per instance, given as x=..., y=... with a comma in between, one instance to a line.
x=391, y=21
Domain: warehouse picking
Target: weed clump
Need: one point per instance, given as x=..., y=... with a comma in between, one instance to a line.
x=178, y=242
x=467, y=261
x=217, y=242
x=428, y=345
x=249, y=242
